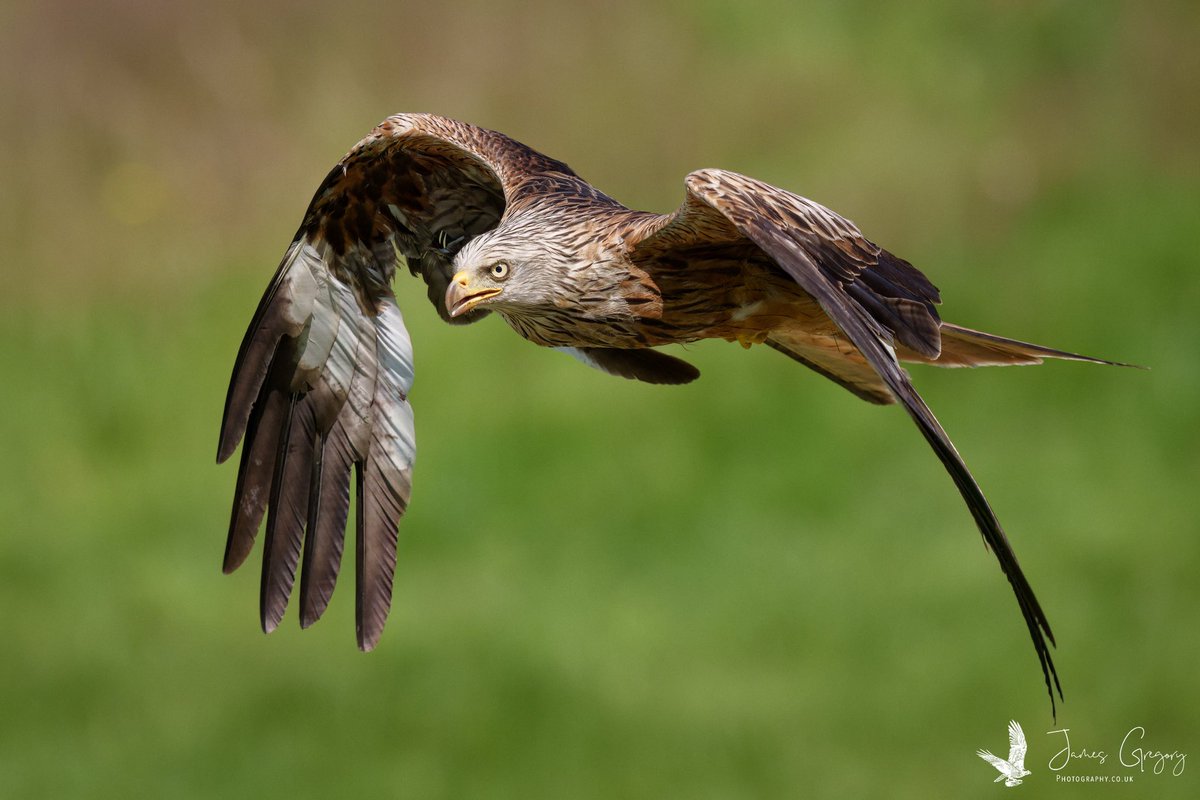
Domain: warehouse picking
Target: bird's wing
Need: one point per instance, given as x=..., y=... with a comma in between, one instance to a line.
x=323, y=373
x=646, y=365
x=873, y=298
x=829, y=354
x=995, y=761
x=1016, y=745
x=887, y=287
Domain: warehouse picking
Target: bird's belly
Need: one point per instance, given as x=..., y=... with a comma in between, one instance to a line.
x=740, y=316
x=550, y=330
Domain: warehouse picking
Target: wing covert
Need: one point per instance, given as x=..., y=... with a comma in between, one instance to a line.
x=895, y=293
x=421, y=185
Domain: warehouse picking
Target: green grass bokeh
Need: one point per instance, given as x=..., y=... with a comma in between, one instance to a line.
x=752, y=586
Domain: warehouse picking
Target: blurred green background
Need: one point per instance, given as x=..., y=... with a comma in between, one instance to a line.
x=753, y=586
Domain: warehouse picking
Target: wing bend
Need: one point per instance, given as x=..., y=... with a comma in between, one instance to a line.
x=321, y=381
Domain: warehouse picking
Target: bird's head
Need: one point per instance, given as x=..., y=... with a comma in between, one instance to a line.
x=504, y=270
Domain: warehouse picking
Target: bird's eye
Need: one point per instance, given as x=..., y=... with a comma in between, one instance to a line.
x=500, y=270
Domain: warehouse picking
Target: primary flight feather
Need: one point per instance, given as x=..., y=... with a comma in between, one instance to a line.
x=321, y=380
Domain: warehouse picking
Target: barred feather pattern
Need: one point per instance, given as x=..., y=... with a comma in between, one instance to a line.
x=385, y=480
x=331, y=384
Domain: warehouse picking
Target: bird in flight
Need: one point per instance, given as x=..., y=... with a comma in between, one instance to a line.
x=322, y=377
x=1012, y=770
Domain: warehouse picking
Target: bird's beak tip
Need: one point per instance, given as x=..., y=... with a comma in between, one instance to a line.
x=460, y=298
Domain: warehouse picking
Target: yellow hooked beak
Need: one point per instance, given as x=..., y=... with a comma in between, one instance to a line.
x=461, y=297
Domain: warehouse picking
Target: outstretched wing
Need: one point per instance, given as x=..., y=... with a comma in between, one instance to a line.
x=1016, y=745
x=322, y=377
x=874, y=299
x=997, y=762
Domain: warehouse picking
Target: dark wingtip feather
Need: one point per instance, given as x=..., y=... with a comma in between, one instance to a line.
x=255, y=477
x=255, y=358
x=989, y=527
x=382, y=502
x=866, y=333
x=229, y=439
x=288, y=511
x=329, y=504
